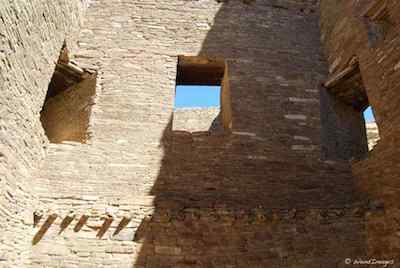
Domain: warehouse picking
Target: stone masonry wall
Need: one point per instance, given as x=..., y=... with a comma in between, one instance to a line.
x=349, y=29
x=373, y=134
x=197, y=119
x=139, y=194
x=65, y=117
x=31, y=36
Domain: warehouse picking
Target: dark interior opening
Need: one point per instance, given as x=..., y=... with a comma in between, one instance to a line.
x=196, y=70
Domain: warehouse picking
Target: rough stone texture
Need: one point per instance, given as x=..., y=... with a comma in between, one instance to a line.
x=139, y=194
x=373, y=134
x=197, y=119
x=193, y=196
x=65, y=117
x=31, y=36
x=346, y=33
x=343, y=129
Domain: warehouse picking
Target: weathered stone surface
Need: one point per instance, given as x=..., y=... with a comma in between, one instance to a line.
x=197, y=119
x=136, y=161
x=372, y=134
x=65, y=116
x=31, y=36
x=349, y=29
x=258, y=195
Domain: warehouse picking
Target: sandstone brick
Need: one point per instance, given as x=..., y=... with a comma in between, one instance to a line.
x=255, y=196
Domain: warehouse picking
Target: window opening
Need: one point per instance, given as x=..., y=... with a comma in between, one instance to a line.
x=343, y=102
x=202, y=97
x=67, y=106
x=371, y=127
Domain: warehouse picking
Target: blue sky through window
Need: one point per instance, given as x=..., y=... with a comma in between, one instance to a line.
x=369, y=115
x=197, y=96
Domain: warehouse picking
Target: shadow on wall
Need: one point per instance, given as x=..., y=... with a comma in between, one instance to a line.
x=67, y=107
x=244, y=199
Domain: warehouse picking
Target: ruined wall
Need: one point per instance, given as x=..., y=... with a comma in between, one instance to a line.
x=373, y=134
x=65, y=117
x=31, y=36
x=197, y=119
x=343, y=129
x=349, y=28
x=255, y=196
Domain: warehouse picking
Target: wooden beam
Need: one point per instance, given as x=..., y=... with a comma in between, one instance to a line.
x=341, y=76
x=376, y=10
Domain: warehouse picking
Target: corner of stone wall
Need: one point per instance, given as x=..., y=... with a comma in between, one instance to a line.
x=33, y=33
